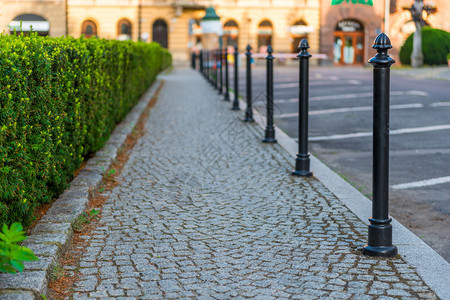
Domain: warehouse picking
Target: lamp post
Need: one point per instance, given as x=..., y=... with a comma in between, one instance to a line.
x=211, y=30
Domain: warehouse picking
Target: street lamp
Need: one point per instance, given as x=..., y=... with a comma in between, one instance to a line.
x=211, y=29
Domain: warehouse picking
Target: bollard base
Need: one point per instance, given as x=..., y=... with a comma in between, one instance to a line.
x=227, y=97
x=301, y=173
x=249, y=120
x=302, y=166
x=380, y=239
x=380, y=251
x=270, y=140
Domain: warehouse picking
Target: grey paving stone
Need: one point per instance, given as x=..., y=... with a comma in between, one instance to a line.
x=16, y=295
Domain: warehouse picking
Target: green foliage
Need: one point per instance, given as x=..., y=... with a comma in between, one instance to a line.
x=435, y=47
x=85, y=218
x=60, y=98
x=11, y=254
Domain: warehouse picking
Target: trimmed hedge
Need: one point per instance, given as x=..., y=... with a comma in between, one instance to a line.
x=60, y=98
x=435, y=47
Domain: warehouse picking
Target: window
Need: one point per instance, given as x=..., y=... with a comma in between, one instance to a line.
x=124, y=30
x=89, y=29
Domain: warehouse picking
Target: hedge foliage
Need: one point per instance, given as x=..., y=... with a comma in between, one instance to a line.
x=435, y=47
x=60, y=98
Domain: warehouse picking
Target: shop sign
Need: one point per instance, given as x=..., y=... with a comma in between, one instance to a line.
x=366, y=2
x=348, y=26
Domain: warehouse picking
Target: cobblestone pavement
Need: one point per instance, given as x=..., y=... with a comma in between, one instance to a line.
x=205, y=210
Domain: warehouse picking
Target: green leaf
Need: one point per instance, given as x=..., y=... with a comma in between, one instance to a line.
x=24, y=254
x=17, y=264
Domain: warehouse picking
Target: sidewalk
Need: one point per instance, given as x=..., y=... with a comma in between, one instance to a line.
x=205, y=210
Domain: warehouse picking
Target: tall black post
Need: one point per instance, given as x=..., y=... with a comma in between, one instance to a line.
x=227, y=87
x=249, y=111
x=215, y=68
x=380, y=228
x=207, y=65
x=270, y=130
x=201, y=61
x=193, y=60
x=220, y=60
x=236, y=79
x=302, y=161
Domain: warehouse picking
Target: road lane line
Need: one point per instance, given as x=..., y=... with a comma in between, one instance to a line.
x=428, y=182
x=366, y=134
x=353, y=96
x=348, y=109
x=440, y=104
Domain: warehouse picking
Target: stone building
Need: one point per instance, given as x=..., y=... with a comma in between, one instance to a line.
x=343, y=32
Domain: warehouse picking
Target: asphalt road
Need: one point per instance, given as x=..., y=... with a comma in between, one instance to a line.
x=340, y=126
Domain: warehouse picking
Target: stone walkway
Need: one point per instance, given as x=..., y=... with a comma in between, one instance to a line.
x=205, y=210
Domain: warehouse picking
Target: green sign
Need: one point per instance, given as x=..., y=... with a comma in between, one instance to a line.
x=366, y=2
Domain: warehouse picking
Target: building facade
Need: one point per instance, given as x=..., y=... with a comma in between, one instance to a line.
x=343, y=32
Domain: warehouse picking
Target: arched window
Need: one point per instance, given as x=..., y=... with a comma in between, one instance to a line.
x=160, y=34
x=230, y=33
x=89, y=29
x=265, y=31
x=299, y=31
x=38, y=23
x=124, y=30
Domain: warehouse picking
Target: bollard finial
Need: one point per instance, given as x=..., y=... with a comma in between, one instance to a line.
x=249, y=48
x=269, y=52
x=303, y=46
x=382, y=44
x=235, y=48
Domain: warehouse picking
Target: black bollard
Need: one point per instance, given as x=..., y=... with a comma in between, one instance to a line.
x=249, y=111
x=302, y=161
x=216, y=70
x=220, y=74
x=236, y=80
x=270, y=130
x=227, y=87
x=380, y=228
x=201, y=61
x=207, y=65
x=193, y=60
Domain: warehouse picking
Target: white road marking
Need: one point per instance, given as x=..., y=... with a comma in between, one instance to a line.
x=353, y=96
x=440, y=104
x=348, y=109
x=421, y=183
x=317, y=83
x=366, y=134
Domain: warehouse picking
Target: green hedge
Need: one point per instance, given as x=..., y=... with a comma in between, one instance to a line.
x=435, y=47
x=60, y=98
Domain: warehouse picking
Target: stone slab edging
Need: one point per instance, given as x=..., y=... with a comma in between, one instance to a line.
x=429, y=265
x=54, y=230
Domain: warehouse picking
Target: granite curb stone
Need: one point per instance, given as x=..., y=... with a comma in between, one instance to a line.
x=53, y=232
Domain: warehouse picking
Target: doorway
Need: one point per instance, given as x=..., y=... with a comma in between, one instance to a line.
x=348, y=46
x=160, y=33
